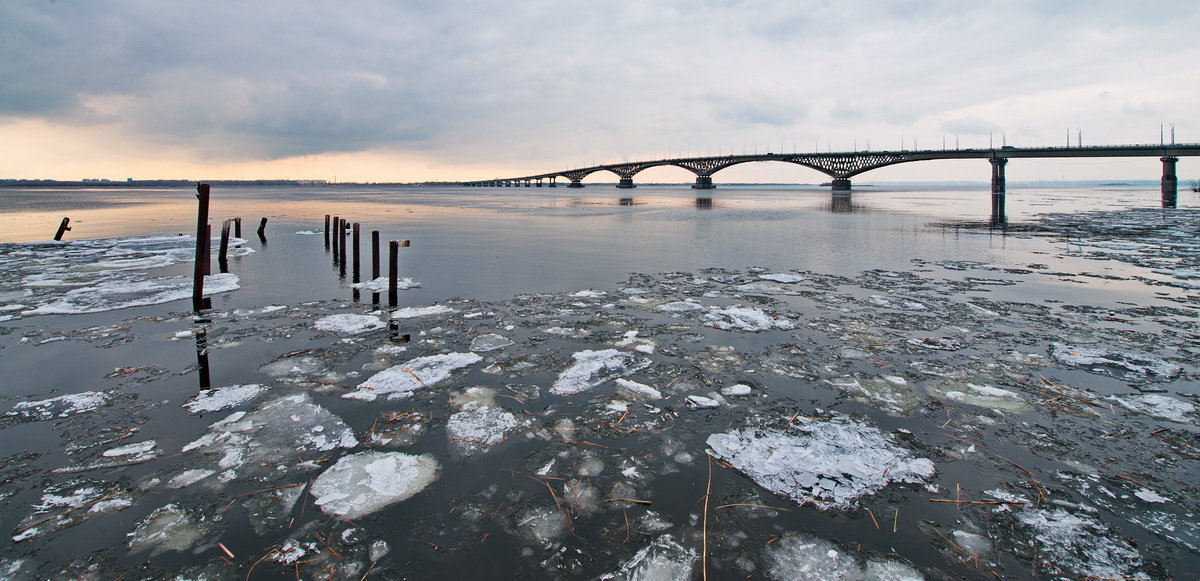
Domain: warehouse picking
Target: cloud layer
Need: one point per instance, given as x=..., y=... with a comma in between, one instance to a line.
x=538, y=84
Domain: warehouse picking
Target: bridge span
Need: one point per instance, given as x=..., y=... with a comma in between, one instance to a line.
x=840, y=167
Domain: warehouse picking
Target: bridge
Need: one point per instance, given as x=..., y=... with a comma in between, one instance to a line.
x=840, y=167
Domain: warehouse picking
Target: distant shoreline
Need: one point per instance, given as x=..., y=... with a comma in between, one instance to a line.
x=167, y=184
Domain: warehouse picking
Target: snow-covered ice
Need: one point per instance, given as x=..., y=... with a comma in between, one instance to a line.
x=399, y=381
x=742, y=318
x=1158, y=406
x=1080, y=545
x=363, y=483
x=478, y=422
x=59, y=407
x=219, y=398
x=490, y=342
x=416, y=312
x=349, y=323
x=171, y=528
x=592, y=368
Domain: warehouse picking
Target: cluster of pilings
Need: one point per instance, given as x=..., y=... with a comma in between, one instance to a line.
x=342, y=237
x=203, y=264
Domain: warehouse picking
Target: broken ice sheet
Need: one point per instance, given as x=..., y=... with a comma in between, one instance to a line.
x=113, y=294
x=1080, y=545
x=978, y=395
x=662, y=560
x=416, y=312
x=399, y=381
x=1109, y=361
x=67, y=504
x=592, y=368
x=126, y=455
x=1158, y=406
x=890, y=394
x=268, y=441
x=172, y=528
x=1140, y=505
x=742, y=318
x=832, y=461
x=216, y=399
x=349, y=323
x=478, y=422
x=490, y=342
x=59, y=407
x=363, y=483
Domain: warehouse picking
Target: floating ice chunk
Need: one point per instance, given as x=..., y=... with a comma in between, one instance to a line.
x=783, y=277
x=399, y=381
x=170, y=528
x=127, y=455
x=381, y=284
x=280, y=431
x=890, y=394
x=1151, y=496
x=1080, y=545
x=540, y=525
x=700, y=402
x=349, y=323
x=1184, y=273
x=67, y=504
x=294, y=365
x=490, y=342
x=832, y=461
x=662, y=560
x=364, y=483
x=587, y=294
x=120, y=294
x=272, y=510
x=679, y=306
x=571, y=332
x=59, y=407
x=478, y=423
x=898, y=303
x=765, y=288
x=591, y=368
x=806, y=557
x=211, y=400
x=739, y=318
x=939, y=343
x=638, y=390
x=414, y=312
x=890, y=571
x=1158, y=406
x=737, y=390
x=307, y=232
x=1107, y=359
x=292, y=550
x=984, y=396
x=632, y=341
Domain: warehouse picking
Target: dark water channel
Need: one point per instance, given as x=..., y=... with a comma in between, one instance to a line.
x=768, y=384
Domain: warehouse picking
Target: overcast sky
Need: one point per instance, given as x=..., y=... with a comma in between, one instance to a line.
x=467, y=89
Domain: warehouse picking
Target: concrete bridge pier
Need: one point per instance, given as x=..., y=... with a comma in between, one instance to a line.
x=840, y=184
x=1170, y=183
x=703, y=183
x=575, y=183
x=998, y=183
x=626, y=182
x=999, y=217
x=539, y=182
x=552, y=184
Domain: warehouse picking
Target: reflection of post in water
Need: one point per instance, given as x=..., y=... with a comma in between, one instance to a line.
x=999, y=218
x=841, y=202
x=704, y=203
x=202, y=353
x=394, y=332
x=626, y=201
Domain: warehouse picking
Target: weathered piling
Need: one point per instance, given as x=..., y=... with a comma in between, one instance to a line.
x=202, y=191
x=374, y=254
x=337, y=227
x=262, y=227
x=341, y=231
x=222, y=255
x=355, y=253
x=326, y=231
x=62, y=227
x=237, y=227
x=393, y=272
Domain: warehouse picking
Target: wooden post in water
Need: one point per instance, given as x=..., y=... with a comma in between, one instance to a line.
x=326, y=231
x=356, y=253
x=201, y=230
x=393, y=272
x=221, y=255
x=62, y=227
x=342, y=247
x=262, y=228
x=337, y=227
x=237, y=227
x=374, y=254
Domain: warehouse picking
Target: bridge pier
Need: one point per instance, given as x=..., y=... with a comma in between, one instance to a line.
x=552, y=184
x=703, y=183
x=626, y=183
x=998, y=183
x=840, y=184
x=1170, y=183
x=539, y=182
x=576, y=183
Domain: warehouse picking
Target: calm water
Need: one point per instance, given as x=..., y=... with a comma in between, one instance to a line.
x=487, y=246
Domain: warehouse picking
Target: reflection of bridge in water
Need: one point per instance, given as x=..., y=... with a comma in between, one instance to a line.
x=840, y=167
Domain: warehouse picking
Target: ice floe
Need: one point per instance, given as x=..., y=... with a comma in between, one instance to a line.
x=59, y=407
x=742, y=318
x=490, y=342
x=172, y=528
x=369, y=481
x=1107, y=360
x=417, y=312
x=349, y=323
x=220, y=398
x=67, y=504
x=985, y=396
x=890, y=394
x=1079, y=545
x=1158, y=406
x=122, y=294
x=592, y=368
x=399, y=381
x=478, y=422
x=664, y=559
x=831, y=461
